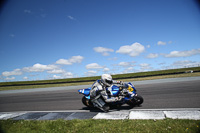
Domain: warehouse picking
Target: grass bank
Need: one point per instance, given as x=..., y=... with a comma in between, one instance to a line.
x=173, y=73
x=103, y=126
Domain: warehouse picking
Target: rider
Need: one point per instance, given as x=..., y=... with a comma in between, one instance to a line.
x=99, y=91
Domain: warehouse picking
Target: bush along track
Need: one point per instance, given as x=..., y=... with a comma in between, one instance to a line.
x=91, y=79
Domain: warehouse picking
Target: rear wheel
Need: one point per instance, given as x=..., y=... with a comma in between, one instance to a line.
x=105, y=108
x=131, y=103
x=87, y=102
x=116, y=106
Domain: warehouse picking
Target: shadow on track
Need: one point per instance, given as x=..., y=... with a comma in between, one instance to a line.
x=121, y=108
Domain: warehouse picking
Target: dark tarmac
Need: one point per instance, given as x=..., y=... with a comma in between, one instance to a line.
x=171, y=93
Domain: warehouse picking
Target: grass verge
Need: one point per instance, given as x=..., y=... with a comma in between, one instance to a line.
x=103, y=126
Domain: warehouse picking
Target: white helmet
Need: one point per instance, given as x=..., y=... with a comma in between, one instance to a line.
x=106, y=79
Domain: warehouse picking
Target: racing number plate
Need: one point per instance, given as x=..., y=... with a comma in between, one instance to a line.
x=130, y=89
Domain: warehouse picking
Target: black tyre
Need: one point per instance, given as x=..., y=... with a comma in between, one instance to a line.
x=139, y=100
x=116, y=106
x=131, y=103
x=136, y=101
x=106, y=108
x=86, y=102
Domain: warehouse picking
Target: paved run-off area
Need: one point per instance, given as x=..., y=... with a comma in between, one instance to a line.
x=193, y=114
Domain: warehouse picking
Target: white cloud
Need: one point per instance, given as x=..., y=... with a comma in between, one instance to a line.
x=114, y=58
x=39, y=68
x=43, y=15
x=68, y=75
x=106, y=69
x=63, y=75
x=51, y=69
x=182, y=53
x=126, y=64
x=128, y=70
x=94, y=66
x=63, y=62
x=103, y=51
x=73, y=59
x=145, y=66
x=132, y=50
x=70, y=17
x=27, y=11
x=90, y=73
x=12, y=35
x=76, y=59
x=25, y=78
x=56, y=71
x=10, y=78
x=181, y=64
x=148, y=46
x=11, y=73
x=170, y=42
x=162, y=63
x=161, y=43
x=57, y=77
x=185, y=63
x=152, y=55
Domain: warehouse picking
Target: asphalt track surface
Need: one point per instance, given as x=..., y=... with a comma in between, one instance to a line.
x=157, y=94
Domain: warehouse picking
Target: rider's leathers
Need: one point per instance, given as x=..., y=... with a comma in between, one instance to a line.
x=98, y=90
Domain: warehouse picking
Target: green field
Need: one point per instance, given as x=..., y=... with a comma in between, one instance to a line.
x=172, y=73
x=100, y=126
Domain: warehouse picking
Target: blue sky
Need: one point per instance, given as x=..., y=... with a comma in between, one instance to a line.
x=51, y=39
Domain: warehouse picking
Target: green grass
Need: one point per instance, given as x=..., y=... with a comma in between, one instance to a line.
x=89, y=80
x=100, y=126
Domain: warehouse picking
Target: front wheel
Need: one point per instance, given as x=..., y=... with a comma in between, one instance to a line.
x=136, y=101
x=139, y=99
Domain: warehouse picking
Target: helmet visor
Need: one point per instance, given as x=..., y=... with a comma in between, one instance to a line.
x=109, y=81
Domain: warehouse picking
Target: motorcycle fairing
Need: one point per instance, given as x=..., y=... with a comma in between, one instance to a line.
x=115, y=91
x=132, y=86
x=85, y=92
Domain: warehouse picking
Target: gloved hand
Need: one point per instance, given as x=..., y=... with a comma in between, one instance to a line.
x=118, y=98
x=125, y=85
x=120, y=82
